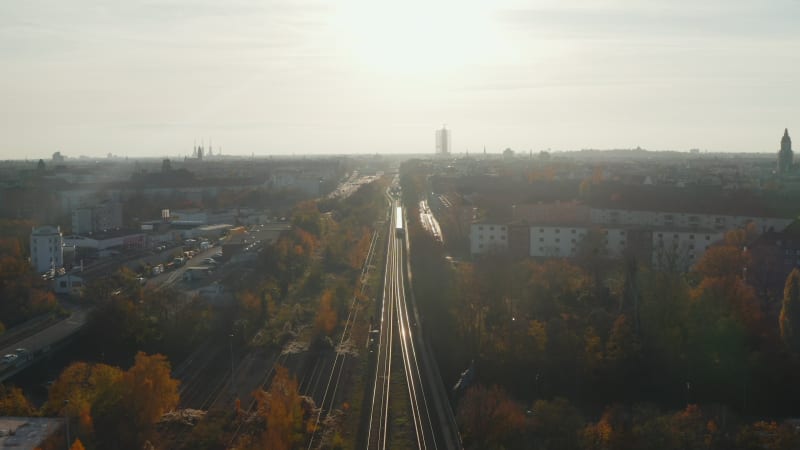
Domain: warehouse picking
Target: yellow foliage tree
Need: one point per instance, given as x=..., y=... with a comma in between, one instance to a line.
x=77, y=445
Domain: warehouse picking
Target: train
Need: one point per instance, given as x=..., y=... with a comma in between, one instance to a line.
x=399, y=229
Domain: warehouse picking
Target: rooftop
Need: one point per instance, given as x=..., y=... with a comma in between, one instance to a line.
x=26, y=433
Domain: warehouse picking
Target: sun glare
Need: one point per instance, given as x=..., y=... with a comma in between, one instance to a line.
x=416, y=37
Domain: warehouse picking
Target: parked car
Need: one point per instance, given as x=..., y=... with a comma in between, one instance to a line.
x=9, y=358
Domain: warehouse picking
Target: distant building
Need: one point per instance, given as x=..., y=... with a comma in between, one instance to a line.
x=785, y=155
x=443, y=142
x=102, y=217
x=47, y=248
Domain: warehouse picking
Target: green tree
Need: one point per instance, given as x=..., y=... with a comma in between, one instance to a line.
x=790, y=311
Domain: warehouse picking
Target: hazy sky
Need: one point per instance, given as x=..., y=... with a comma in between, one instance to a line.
x=151, y=77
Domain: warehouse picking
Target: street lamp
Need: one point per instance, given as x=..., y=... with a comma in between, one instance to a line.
x=66, y=420
x=688, y=388
x=230, y=341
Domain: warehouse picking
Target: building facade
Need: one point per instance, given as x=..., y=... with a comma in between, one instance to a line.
x=488, y=237
x=47, y=248
x=98, y=218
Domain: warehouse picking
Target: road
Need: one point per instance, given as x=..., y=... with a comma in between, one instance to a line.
x=428, y=221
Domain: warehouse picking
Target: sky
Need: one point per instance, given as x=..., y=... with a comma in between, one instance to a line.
x=152, y=78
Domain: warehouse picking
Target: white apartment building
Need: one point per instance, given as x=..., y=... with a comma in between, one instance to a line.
x=682, y=249
x=564, y=241
x=47, y=248
x=487, y=237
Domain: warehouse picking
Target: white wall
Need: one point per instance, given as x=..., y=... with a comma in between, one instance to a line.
x=555, y=241
x=46, y=248
x=485, y=237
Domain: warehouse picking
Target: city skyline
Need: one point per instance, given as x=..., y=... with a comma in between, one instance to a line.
x=148, y=78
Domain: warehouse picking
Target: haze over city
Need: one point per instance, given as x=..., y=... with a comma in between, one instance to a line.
x=152, y=78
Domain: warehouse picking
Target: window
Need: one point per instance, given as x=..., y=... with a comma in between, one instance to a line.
x=573, y=241
x=77, y=284
x=63, y=284
x=502, y=228
x=691, y=236
x=491, y=237
x=557, y=231
x=480, y=228
x=480, y=246
x=558, y=240
x=541, y=230
x=491, y=228
x=541, y=239
x=708, y=238
x=573, y=231
x=541, y=249
x=502, y=238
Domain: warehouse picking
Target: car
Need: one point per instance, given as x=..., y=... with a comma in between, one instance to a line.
x=210, y=261
x=9, y=358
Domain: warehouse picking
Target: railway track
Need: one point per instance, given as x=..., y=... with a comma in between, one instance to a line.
x=325, y=407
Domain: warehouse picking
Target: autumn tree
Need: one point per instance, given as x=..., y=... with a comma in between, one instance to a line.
x=13, y=402
x=623, y=344
x=790, y=311
x=326, y=319
x=489, y=418
x=77, y=445
x=556, y=424
x=126, y=411
x=768, y=435
x=76, y=391
x=281, y=407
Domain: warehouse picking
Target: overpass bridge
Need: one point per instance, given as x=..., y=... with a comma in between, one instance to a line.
x=40, y=345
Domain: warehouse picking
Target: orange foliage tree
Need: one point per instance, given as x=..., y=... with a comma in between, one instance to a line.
x=281, y=407
x=326, y=319
x=153, y=391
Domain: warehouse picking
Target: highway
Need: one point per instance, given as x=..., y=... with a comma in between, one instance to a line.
x=399, y=334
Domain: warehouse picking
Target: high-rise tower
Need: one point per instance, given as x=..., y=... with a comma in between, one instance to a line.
x=785, y=155
x=443, y=142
